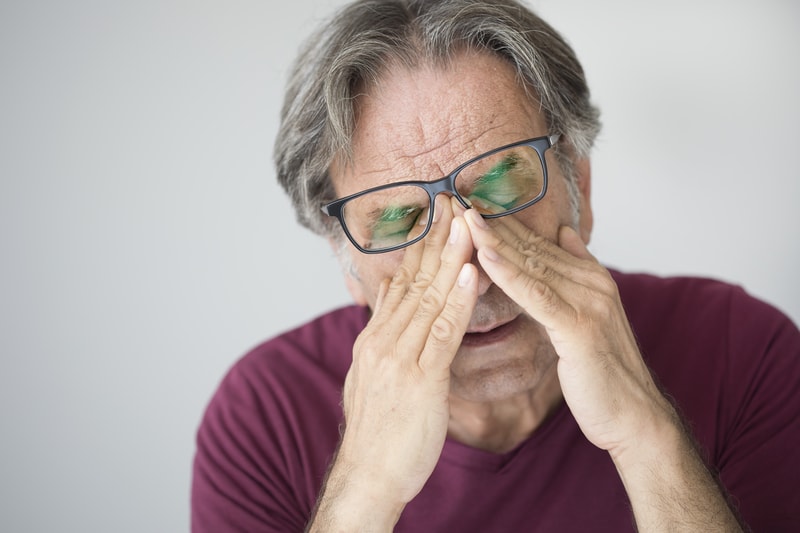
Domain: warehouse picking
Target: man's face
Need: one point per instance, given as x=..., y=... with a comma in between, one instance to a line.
x=421, y=124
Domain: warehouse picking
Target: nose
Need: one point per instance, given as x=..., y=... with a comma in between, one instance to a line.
x=484, y=281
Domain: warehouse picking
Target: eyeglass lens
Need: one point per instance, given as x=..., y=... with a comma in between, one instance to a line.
x=493, y=185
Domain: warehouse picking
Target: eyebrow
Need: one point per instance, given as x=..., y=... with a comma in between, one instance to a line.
x=499, y=169
x=394, y=213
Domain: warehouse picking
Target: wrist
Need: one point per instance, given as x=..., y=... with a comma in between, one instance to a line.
x=668, y=483
x=354, y=500
x=658, y=439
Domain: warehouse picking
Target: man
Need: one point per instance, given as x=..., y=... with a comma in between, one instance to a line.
x=490, y=379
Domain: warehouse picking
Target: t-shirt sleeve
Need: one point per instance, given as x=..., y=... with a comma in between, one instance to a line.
x=237, y=485
x=271, y=429
x=759, y=459
x=732, y=365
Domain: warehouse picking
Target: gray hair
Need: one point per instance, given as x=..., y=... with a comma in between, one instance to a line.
x=354, y=48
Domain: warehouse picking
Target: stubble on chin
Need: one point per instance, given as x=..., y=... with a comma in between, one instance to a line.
x=495, y=373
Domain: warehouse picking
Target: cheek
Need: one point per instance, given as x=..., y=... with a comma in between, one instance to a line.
x=565, y=203
x=373, y=269
x=555, y=209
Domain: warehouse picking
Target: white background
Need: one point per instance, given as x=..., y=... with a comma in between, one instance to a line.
x=146, y=245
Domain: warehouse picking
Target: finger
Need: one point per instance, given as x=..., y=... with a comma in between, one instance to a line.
x=421, y=268
x=458, y=209
x=512, y=230
x=539, y=291
x=569, y=240
x=410, y=264
x=416, y=271
x=449, y=327
x=531, y=270
x=530, y=251
x=434, y=242
x=382, y=289
x=431, y=302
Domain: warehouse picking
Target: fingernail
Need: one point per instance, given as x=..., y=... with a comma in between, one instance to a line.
x=465, y=276
x=437, y=209
x=478, y=219
x=458, y=209
x=454, y=231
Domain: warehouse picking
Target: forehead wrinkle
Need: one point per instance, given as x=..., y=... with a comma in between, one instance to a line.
x=401, y=136
x=433, y=160
x=420, y=131
x=395, y=165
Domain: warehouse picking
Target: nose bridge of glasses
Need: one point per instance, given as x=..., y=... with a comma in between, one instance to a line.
x=442, y=185
x=446, y=185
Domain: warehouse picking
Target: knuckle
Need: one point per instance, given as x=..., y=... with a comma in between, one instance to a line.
x=523, y=246
x=536, y=241
x=546, y=296
x=402, y=276
x=538, y=269
x=529, y=242
x=443, y=330
x=601, y=305
x=432, y=298
x=430, y=304
x=607, y=284
x=366, y=347
x=422, y=278
x=530, y=262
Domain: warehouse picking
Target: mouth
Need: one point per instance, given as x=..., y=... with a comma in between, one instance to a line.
x=491, y=334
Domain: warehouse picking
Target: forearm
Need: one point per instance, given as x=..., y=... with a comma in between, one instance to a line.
x=395, y=396
x=669, y=486
x=349, y=502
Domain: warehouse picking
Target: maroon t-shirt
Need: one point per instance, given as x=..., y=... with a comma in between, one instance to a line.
x=730, y=362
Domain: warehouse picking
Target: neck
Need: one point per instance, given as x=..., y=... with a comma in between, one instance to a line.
x=500, y=425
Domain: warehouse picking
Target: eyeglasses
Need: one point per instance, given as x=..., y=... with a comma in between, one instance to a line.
x=498, y=183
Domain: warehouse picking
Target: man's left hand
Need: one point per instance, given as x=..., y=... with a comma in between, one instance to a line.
x=605, y=382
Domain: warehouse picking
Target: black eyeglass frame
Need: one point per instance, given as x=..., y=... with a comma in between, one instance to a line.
x=445, y=184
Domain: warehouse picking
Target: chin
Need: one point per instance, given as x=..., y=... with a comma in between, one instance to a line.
x=477, y=377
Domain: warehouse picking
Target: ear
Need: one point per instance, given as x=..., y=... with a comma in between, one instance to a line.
x=351, y=281
x=583, y=174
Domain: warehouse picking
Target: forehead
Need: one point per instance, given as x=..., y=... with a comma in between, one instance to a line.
x=421, y=122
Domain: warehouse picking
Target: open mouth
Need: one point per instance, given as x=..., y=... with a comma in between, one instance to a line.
x=496, y=334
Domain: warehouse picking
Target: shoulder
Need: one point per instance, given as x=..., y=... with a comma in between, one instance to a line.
x=324, y=343
x=709, y=339
x=639, y=291
x=717, y=350
x=271, y=426
x=701, y=308
x=305, y=365
x=287, y=386
x=731, y=363
x=318, y=351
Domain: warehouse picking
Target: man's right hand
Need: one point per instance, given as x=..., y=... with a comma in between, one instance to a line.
x=396, y=392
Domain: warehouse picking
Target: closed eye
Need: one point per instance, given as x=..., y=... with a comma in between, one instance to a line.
x=498, y=186
x=393, y=225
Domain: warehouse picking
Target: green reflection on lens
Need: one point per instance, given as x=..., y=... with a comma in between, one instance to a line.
x=393, y=226
x=498, y=189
